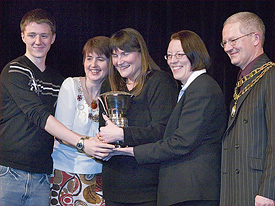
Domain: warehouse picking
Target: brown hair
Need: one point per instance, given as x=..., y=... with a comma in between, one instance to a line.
x=38, y=16
x=99, y=45
x=130, y=40
x=194, y=48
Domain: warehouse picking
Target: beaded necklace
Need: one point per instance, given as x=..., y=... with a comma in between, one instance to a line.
x=93, y=105
x=263, y=69
x=94, y=102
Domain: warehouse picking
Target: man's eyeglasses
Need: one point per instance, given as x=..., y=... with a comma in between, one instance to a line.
x=178, y=55
x=233, y=42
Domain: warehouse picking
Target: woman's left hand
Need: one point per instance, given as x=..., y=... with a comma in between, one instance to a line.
x=110, y=133
x=128, y=151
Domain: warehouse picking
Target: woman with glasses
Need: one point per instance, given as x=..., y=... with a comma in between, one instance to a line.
x=190, y=151
x=125, y=182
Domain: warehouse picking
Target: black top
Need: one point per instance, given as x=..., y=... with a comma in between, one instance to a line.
x=28, y=97
x=123, y=179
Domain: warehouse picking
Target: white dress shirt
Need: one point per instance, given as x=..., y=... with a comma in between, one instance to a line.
x=192, y=77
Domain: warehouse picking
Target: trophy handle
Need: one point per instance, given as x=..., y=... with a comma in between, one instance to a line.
x=103, y=105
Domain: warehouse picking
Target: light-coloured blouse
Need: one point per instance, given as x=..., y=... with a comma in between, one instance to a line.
x=74, y=112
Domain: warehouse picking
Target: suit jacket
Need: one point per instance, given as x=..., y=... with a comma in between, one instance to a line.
x=249, y=142
x=190, y=150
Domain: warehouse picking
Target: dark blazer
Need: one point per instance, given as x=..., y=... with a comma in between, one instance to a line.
x=190, y=150
x=249, y=144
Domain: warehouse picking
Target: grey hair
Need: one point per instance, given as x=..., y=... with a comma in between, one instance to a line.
x=250, y=22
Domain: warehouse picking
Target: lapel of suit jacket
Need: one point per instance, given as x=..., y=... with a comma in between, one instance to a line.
x=262, y=60
x=172, y=123
x=176, y=114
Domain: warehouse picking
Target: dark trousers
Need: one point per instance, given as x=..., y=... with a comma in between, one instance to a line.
x=110, y=203
x=198, y=203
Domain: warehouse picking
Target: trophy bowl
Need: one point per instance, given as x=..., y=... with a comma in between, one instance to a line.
x=115, y=105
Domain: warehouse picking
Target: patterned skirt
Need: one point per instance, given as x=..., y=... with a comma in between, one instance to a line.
x=69, y=189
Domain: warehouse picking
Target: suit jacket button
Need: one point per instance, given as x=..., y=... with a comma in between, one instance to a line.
x=245, y=121
x=237, y=171
x=237, y=146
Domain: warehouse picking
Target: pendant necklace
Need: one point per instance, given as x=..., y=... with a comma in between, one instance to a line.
x=94, y=102
x=263, y=69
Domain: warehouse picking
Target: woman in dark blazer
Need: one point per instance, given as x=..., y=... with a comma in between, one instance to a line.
x=190, y=152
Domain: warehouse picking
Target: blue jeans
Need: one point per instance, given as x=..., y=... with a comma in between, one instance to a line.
x=18, y=187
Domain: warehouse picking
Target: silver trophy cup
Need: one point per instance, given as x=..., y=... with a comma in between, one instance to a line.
x=115, y=105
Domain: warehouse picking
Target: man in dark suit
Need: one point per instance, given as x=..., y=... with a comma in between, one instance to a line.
x=248, y=157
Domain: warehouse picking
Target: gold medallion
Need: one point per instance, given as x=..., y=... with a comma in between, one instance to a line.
x=233, y=111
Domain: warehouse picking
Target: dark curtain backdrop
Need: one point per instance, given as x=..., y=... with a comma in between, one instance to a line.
x=77, y=21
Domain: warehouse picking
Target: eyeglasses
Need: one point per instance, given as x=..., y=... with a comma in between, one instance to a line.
x=178, y=55
x=233, y=42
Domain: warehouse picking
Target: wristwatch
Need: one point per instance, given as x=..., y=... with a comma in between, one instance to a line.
x=80, y=145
